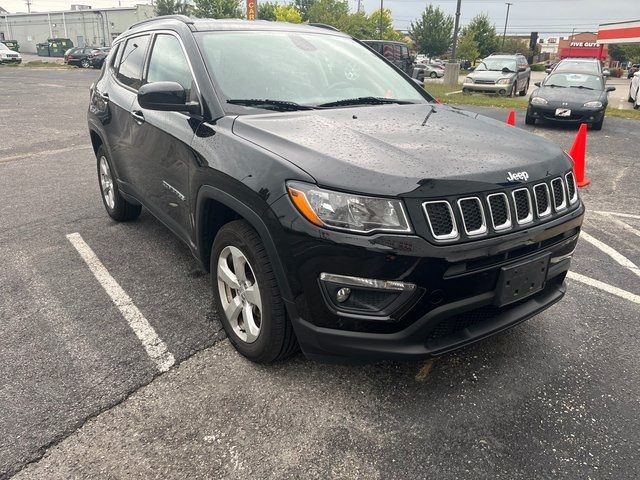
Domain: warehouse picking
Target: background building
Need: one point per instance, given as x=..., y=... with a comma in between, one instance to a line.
x=583, y=45
x=94, y=27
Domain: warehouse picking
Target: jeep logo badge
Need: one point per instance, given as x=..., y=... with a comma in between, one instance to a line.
x=517, y=177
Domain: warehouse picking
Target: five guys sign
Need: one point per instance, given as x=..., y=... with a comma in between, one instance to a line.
x=252, y=9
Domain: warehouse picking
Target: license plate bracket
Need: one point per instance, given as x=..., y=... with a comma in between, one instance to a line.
x=521, y=280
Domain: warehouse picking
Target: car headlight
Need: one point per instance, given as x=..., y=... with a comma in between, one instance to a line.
x=595, y=104
x=345, y=211
x=538, y=101
x=504, y=81
x=468, y=80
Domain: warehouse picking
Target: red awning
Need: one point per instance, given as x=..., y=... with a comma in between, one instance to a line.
x=620, y=32
x=581, y=52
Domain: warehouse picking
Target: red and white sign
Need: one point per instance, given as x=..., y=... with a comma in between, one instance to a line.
x=252, y=9
x=620, y=32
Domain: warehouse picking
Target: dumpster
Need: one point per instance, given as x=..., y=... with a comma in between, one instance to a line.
x=13, y=45
x=57, y=46
x=42, y=49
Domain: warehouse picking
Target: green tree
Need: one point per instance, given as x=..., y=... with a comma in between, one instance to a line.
x=514, y=45
x=625, y=53
x=171, y=7
x=384, y=23
x=468, y=47
x=330, y=12
x=303, y=6
x=287, y=13
x=484, y=33
x=359, y=25
x=267, y=11
x=432, y=33
x=218, y=9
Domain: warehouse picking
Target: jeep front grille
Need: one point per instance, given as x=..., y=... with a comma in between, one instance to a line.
x=543, y=202
x=559, y=199
x=472, y=216
x=441, y=221
x=499, y=212
x=522, y=201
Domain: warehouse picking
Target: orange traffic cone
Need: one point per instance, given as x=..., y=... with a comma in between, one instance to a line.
x=578, y=153
x=511, y=118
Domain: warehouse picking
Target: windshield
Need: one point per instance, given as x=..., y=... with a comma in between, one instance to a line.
x=302, y=68
x=576, y=80
x=497, y=64
x=579, y=66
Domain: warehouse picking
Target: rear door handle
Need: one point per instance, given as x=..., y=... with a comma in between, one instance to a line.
x=138, y=115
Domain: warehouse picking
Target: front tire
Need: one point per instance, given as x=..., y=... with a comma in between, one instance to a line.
x=433, y=75
x=597, y=125
x=115, y=204
x=529, y=119
x=247, y=297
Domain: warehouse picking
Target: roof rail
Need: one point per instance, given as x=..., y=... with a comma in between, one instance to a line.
x=324, y=25
x=181, y=18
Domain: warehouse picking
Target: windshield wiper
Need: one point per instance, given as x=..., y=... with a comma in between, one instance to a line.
x=364, y=101
x=582, y=86
x=554, y=86
x=280, y=105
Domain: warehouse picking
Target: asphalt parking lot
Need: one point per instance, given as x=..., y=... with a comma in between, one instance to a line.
x=555, y=397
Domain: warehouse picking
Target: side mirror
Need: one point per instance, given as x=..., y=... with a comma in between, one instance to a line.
x=547, y=70
x=611, y=89
x=606, y=72
x=166, y=97
x=537, y=84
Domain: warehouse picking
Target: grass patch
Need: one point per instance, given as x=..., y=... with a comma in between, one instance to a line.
x=444, y=94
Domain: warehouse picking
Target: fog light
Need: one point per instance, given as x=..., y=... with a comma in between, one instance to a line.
x=343, y=294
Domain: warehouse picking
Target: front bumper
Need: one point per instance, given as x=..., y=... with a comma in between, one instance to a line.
x=11, y=60
x=502, y=89
x=578, y=115
x=455, y=301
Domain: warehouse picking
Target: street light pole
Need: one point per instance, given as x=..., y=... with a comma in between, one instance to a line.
x=506, y=21
x=380, y=21
x=456, y=27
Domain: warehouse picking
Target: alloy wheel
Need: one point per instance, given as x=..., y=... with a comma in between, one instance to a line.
x=106, y=183
x=239, y=294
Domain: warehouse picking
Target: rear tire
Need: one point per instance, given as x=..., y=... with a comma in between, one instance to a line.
x=256, y=323
x=433, y=75
x=117, y=207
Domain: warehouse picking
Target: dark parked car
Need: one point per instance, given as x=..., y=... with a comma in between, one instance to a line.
x=570, y=97
x=396, y=52
x=79, y=56
x=97, y=56
x=308, y=194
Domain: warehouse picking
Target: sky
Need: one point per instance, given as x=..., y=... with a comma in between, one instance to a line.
x=548, y=17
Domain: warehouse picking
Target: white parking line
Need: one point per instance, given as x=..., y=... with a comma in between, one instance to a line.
x=632, y=297
x=617, y=256
x=618, y=214
x=155, y=347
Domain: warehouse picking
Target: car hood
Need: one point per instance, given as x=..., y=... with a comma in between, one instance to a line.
x=490, y=75
x=392, y=150
x=570, y=96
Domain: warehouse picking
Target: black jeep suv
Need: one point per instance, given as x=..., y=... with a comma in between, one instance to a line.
x=337, y=206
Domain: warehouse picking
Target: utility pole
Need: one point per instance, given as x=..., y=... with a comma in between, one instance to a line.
x=28, y=2
x=506, y=20
x=452, y=68
x=359, y=6
x=456, y=27
x=380, y=22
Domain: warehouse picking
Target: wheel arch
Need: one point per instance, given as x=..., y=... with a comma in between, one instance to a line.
x=228, y=208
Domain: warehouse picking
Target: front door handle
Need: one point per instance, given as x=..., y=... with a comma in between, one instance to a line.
x=138, y=115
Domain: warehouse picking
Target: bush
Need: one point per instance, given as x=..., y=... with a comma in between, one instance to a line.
x=616, y=72
x=538, y=67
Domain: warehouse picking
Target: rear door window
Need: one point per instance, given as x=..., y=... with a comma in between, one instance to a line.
x=132, y=61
